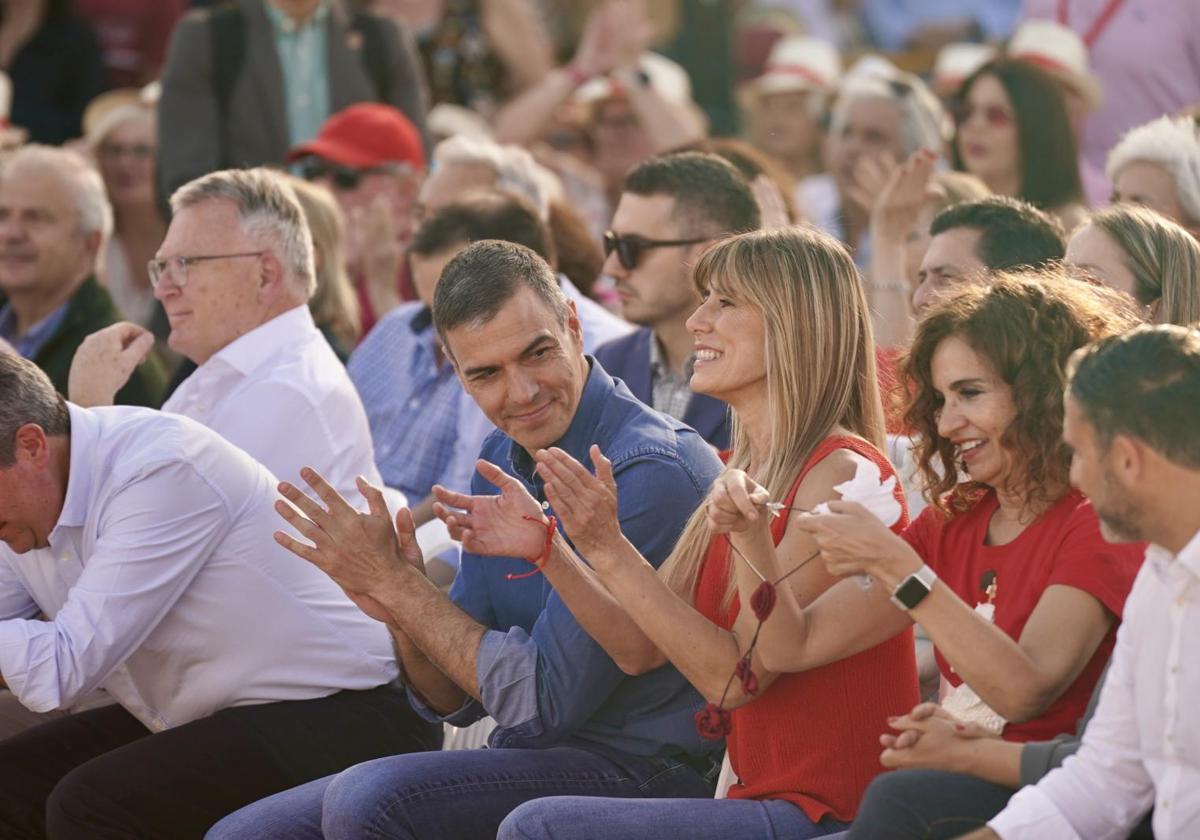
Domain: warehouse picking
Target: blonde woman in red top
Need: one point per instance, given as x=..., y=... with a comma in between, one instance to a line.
x=784, y=337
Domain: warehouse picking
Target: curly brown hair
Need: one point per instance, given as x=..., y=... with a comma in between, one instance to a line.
x=1025, y=325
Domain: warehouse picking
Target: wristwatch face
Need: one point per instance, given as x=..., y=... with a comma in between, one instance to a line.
x=911, y=592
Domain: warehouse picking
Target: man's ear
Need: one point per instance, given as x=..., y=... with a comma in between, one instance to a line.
x=573, y=322
x=31, y=445
x=271, y=276
x=1127, y=459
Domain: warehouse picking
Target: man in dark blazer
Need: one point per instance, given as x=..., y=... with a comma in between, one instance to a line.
x=672, y=208
x=231, y=98
x=53, y=218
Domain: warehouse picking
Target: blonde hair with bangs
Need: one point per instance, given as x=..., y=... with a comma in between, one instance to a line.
x=820, y=357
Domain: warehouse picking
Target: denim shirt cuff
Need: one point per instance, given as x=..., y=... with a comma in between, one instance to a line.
x=466, y=714
x=507, y=673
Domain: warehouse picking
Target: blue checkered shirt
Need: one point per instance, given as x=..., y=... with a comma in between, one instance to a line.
x=413, y=400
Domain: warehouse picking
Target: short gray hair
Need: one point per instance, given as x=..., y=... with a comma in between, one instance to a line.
x=27, y=396
x=923, y=121
x=516, y=170
x=267, y=207
x=92, y=210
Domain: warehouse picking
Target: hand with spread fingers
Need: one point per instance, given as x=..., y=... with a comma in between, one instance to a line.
x=585, y=504
x=737, y=503
x=853, y=541
x=510, y=524
x=361, y=552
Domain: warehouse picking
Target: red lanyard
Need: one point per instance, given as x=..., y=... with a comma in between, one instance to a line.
x=1098, y=25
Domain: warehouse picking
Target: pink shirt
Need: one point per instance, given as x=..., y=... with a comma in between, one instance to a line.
x=1147, y=60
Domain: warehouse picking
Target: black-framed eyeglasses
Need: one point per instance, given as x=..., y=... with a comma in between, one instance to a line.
x=346, y=177
x=629, y=247
x=177, y=267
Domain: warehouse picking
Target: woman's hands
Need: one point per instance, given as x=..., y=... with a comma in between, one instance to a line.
x=852, y=541
x=930, y=737
x=736, y=503
x=585, y=504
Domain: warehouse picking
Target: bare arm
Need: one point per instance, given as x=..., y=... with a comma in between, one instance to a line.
x=519, y=40
x=105, y=361
x=1018, y=679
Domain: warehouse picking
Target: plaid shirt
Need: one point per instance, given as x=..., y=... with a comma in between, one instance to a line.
x=670, y=393
x=412, y=398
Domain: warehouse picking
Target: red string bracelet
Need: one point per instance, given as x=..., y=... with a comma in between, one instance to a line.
x=538, y=562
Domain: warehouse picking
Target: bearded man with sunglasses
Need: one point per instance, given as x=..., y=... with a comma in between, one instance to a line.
x=672, y=207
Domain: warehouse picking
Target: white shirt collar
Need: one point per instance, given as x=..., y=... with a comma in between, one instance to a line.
x=1189, y=557
x=84, y=432
x=247, y=352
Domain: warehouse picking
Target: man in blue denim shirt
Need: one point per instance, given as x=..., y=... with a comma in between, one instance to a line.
x=569, y=721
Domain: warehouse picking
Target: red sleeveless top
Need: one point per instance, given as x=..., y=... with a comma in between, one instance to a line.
x=812, y=738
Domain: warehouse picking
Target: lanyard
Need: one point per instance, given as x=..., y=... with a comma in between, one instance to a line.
x=1098, y=25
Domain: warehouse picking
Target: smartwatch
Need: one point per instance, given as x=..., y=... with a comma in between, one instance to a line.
x=913, y=589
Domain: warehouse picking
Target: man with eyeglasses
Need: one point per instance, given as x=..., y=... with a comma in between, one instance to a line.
x=671, y=209
x=234, y=275
x=371, y=158
x=54, y=217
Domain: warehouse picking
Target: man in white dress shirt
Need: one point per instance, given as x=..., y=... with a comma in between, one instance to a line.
x=1133, y=420
x=136, y=555
x=234, y=275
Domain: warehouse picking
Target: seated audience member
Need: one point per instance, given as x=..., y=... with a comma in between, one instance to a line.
x=875, y=119
x=123, y=142
x=783, y=106
x=370, y=157
x=235, y=274
x=1059, y=51
x=334, y=305
x=505, y=644
x=1158, y=165
x=970, y=240
x=248, y=80
x=1132, y=423
x=903, y=206
x=769, y=181
x=410, y=390
x=672, y=208
x=783, y=336
x=463, y=164
x=1013, y=132
x=54, y=219
x=236, y=671
x=1150, y=258
x=1006, y=569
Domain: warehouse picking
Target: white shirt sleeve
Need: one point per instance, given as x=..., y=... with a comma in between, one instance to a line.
x=146, y=554
x=15, y=600
x=1103, y=790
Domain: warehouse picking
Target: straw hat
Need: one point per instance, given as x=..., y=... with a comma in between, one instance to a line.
x=955, y=62
x=799, y=63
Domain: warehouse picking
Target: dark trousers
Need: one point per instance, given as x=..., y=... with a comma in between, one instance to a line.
x=933, y=805
x=102, y=775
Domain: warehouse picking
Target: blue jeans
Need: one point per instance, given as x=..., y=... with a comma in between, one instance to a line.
x=584, y=818
x=456, y=795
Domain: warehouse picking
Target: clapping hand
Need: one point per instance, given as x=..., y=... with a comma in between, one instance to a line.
x=585, y=504
x=853, y=541
x=499, y=525
x=361, y=552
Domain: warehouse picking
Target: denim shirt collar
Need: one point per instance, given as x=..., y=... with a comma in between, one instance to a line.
x=581, y=434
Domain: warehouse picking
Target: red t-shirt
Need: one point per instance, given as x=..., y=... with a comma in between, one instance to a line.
x=812, y=738
x=1063, y=546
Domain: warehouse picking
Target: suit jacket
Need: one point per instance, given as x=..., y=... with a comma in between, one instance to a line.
x=88, y=310
x=193, y=138
x=628, y=359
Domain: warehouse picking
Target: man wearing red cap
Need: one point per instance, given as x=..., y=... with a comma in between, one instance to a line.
x=371, y=158
x=249, y=79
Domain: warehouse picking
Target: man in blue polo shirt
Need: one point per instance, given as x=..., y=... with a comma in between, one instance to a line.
x=504, y=644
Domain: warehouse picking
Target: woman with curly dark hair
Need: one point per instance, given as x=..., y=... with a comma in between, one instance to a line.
x=1006, y=570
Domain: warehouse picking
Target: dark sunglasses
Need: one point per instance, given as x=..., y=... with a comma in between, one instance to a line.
x=629, y=248
x=344, y=177
x=993, y=115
